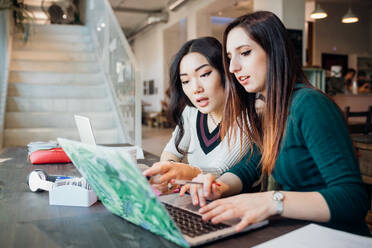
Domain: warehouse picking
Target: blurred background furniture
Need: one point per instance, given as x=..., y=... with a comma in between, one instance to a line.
x=359, y=127
x=363, y=147
x=316, y=77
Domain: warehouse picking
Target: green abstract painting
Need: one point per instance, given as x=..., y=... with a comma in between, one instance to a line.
x=122, y=189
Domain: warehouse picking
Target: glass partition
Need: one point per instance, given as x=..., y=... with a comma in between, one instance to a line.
x=119, y=65
x=5, y=49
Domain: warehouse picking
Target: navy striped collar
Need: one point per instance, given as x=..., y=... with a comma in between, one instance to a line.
x=208, y=141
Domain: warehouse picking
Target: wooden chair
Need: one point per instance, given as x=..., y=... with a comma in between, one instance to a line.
x=359, y=127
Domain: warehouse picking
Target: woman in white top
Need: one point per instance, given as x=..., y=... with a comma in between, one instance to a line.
x=197, y=83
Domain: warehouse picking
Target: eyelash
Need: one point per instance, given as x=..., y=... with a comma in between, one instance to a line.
x=246, y=53
x=206, y=74
x=203, y=75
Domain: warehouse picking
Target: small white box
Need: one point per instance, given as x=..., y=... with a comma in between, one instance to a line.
x=72, y=192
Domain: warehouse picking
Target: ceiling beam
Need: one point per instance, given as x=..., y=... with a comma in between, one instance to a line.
x=135, y=10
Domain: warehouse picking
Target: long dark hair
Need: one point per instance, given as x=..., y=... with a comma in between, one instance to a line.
x=211, y=49
x=283, y=71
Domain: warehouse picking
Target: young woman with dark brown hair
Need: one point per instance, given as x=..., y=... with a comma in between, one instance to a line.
x=197, y=82
x=299, y=137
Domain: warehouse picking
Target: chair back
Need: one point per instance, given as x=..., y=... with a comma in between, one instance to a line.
x=359, y=128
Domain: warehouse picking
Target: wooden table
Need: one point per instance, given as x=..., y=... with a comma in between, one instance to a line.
x=27, y=219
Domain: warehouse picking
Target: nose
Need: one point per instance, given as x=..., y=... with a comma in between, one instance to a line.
x=197, y=87
x=234, y=65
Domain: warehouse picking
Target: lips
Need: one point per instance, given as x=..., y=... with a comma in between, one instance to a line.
x=202, y=102
x=243, y=79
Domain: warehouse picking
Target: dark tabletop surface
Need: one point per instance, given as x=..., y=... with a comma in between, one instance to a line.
x=27, y=219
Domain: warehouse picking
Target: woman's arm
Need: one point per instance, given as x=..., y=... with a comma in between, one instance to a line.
x=303, y=205
x=255, y=207
x=327, y=138
x=341, y=201
x=239, y=178
x=169, y=156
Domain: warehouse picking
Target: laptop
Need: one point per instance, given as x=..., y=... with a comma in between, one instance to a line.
x=86, y=136
x=123, y=190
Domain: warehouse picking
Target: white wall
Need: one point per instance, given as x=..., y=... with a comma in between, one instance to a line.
x=149, y=55
x=332, y=36
x=274, y=6
x=174, y=37
x=217, y=31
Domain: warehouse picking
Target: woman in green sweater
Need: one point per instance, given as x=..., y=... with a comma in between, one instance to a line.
x=299, y=138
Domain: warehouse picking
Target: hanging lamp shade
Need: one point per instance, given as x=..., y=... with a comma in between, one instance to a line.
x=318, y=13
x=350, y=17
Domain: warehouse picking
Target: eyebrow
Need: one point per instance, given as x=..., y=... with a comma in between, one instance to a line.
x=197, y=69
x=239, y=47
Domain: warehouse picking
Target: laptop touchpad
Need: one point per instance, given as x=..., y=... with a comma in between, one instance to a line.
x=179, y=201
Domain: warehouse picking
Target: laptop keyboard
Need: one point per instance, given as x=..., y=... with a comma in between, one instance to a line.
x=191, y=224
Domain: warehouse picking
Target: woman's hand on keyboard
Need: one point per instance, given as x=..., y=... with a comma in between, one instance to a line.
x=250, y=208
x=163, y=172
x=208, y=190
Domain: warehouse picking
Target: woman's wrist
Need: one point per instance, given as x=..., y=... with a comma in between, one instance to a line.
x=275, y=205
x=233, y=184
x=224, y=188
x=187, y=171
x=272, y=209
x=196, y=171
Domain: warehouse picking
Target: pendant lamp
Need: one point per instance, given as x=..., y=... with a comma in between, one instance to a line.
x=318, y=13
x=350, y=17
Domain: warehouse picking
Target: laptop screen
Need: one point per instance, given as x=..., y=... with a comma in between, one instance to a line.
x=122, y=188
x=85, y=129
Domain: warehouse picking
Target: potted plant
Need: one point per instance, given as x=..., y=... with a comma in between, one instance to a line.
x=21, y=15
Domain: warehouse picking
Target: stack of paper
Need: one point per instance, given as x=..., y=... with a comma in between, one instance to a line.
x=41, y=145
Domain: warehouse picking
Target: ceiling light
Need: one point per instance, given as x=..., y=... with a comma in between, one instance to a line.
x=174, y=5
x=318, y=13
x=350, y=17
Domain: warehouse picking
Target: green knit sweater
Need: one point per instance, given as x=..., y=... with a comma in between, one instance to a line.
x=316, y=154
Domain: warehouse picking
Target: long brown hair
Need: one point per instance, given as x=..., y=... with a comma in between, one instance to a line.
x=283, y=71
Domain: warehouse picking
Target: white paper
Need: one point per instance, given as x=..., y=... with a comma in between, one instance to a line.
x=316, y=236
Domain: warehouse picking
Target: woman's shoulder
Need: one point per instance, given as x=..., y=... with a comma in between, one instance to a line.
x=308, y=101
x=308, y=97
x=189, y=113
